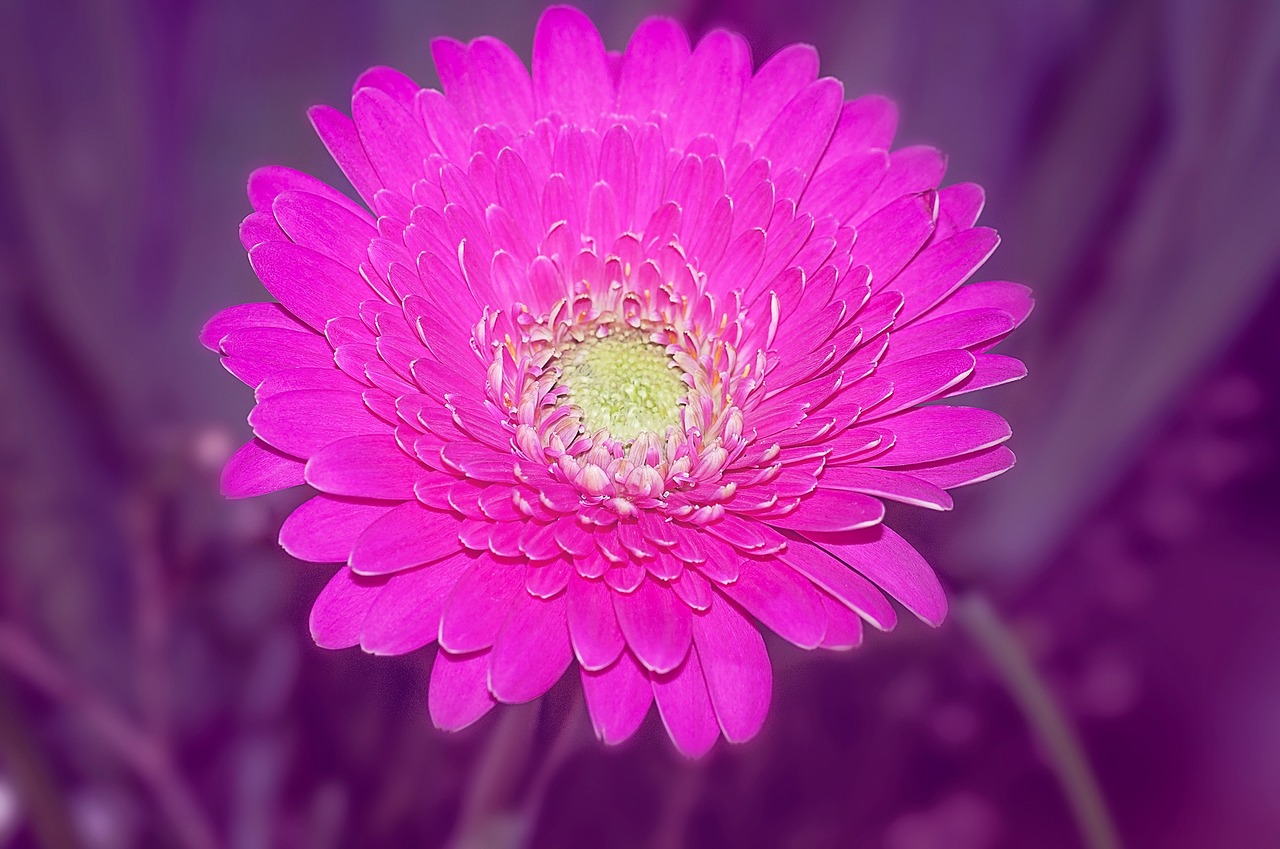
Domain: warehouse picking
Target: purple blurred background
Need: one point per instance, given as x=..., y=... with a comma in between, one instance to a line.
x=157, y=684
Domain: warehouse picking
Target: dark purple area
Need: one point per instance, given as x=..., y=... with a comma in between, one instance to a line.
x=157, y=684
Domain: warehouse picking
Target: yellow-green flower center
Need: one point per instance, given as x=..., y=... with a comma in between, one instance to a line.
x=624, y=384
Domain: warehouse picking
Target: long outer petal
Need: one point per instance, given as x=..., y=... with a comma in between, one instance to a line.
x=257, y=468
x=618, y=698
x=323, y=529
x=408, y=536
x=736, y=666
x=477, y=607
x=656, y=624
x=897, y=568
x=339, y=611
x=685, y=707
x=593, y=626
x=406, y=615
x=458, y=694
x=531, y=651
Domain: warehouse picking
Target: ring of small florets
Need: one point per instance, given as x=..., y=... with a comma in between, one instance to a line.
x=631, y=397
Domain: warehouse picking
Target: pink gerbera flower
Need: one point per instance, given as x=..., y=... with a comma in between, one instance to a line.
x=622, y=362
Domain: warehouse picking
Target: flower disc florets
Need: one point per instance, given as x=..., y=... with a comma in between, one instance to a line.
x=623, y=383
x=629, y=390
x=617, y=359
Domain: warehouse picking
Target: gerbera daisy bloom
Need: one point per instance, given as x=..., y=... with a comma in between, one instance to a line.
x=617, y=361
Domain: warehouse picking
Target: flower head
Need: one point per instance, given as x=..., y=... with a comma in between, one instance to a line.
x=617, y=359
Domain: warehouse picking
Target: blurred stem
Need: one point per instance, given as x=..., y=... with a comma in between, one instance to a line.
x=568, y=739
x=506, y=792
x=679, y=802
x=490, y=818
x=138, y=750
x=35, y=785
x=142, y=522
x=1047, y=720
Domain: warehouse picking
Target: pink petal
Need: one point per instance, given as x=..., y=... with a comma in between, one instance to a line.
x=693, y=589
x=742, y=533
x=830, y=510
x=816, y=108
x=618, y=698
x=310, y=285
x=593, y=626
x=841, y=582
x=367, y=466
x=1013, y=298
x=624, y=578
x=570, y=73
x=844, y=627
x=877, y=315
x=340, y=609
x=305, y=421
x=781, y=599
x=786, y=236
x=656, y=624
x=458, y=694
x=396, y=142
x=338, y=132
x=255, y=353
x=448, y=122
x=868, y=122
x=715, y=560
x=406, y=616
x=921, y=379
x=911, y=170
x=573, y=540
x=961, y=471
x=685, y=707
x=324, y=529
x=260, y=227
x=929, y=434
x=243, y=316
x=883, y=483
x=480, y=463
x=736, y=665
x=844, y=187
x=989, y=370
x=545, y=580
x=406, y=536
x=889, y=239
x=741, y=261
x=867, y=393
x=538, y=541
x=257, y=469
x=325, y=226
x=939, y=332
x=395, y=84
x=941, y=268
x=453, y=65
x=516, y=192
x=896, y=567
x=779, y=80
x=265, y=184
x=652, y=67
x=601, y=222
x=710, y=94
x=859, y=444
x=531, y=651
x=476, y=608
x=958, y=208
x=503, y=92
x=294, y=379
